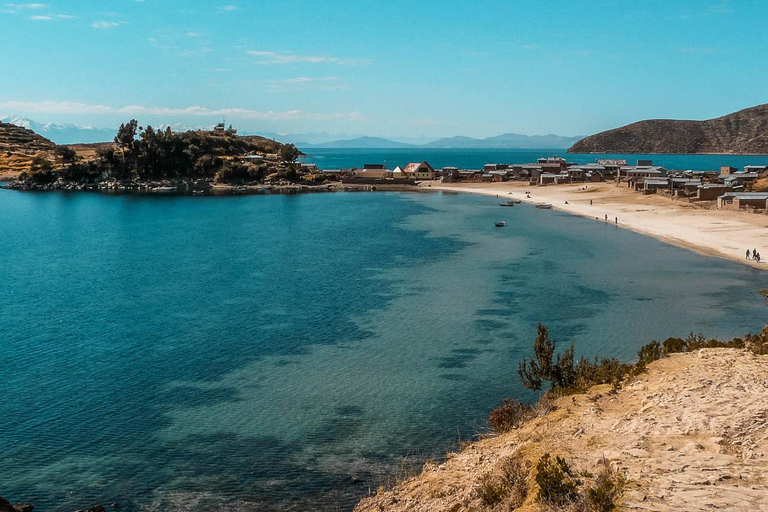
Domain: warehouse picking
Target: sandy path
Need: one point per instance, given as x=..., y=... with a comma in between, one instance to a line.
x=691, y=434
x=721, y=233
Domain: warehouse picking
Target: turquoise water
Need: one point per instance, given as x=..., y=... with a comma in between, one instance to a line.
x=259, y=351
x=476, y=158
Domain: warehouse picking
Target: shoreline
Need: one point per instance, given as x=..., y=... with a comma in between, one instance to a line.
x=724, y=234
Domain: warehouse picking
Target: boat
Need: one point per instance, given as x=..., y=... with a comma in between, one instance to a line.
x=500, y=224
x=165, y=189
x=198, y=192
x=543, y=206
x=509, y=203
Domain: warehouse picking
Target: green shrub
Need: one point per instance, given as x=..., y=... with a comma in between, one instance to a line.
x=607, y=489
x=556, y=482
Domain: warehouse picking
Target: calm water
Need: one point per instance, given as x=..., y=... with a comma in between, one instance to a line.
x=179, y=352
x=476, y=158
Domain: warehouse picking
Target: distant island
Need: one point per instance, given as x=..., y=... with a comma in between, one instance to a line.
x=743, y=132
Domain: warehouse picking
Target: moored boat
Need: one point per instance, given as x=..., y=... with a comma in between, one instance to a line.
x=543, y=206
x=500, y=224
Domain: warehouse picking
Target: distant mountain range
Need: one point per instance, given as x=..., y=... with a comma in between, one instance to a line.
x=505, y=141
x=73, y=134
x=743, y=132
x=63, y=133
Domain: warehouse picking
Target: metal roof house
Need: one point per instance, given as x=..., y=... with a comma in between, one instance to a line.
x=742, y=200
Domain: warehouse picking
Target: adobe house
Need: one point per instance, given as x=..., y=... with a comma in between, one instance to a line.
x=422, y=171
x=711, y=191
x=742, y=200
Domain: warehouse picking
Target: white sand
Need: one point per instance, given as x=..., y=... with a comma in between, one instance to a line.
x=722, y=233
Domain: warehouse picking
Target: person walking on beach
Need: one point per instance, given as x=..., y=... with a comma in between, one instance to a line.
x=757, y=257
x=747, y=253
x=590, y=202
x=616, y=220
x=606, y=217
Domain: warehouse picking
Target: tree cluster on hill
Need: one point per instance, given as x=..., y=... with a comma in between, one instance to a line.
x=149, y=154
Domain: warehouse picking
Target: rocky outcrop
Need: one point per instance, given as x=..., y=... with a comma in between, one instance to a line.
x=743, y=132
x=5, y=506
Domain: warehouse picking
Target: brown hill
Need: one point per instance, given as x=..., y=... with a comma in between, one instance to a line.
x=18, y=146
x=743, y=132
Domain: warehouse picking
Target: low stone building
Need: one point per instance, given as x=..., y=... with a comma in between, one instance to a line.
x=743, y=200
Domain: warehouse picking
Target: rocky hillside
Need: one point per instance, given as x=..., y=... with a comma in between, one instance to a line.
x=691, y=434
x=17, y=148
x=743, y=132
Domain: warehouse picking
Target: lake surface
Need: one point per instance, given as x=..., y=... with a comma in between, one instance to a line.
x=476, y=158
x=259, y=351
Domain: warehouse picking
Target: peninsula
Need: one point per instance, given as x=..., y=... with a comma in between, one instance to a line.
x=146, y=159
x=743, y=132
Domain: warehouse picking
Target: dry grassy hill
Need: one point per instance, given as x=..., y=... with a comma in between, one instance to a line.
x=743, y=132
x=691, y=434
x=18, y=146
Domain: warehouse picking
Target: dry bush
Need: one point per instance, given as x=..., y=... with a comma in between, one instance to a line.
x=511, y=414
x=506, y=484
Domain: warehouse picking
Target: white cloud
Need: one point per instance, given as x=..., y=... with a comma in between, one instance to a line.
x=104, y=25
x=68, y=107
x=50, y=17
x=273, y=57
x=22, y=7
x=302, y=83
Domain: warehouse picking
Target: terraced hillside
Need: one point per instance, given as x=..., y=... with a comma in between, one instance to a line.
x=18, y=146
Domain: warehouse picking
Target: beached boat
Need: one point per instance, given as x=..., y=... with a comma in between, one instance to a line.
x=543, y=206
x=166, y=189
x=501, y=224
x=508, y=203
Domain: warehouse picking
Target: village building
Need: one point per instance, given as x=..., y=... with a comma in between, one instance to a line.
x=419, y=171
x=743, y=200
x=711, y=191
x=376, y=173
x=652, y=185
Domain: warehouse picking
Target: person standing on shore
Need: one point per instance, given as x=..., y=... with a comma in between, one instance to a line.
x=747, y=253
x=590, y=202
x=606, y=217
x=616, y=220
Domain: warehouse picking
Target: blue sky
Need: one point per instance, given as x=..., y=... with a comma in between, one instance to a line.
x=389, y=68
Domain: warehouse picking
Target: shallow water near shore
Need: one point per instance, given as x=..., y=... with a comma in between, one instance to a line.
x=258, y=352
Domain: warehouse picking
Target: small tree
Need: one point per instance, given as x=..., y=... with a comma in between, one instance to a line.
x=289, y=153
x=40, y=163
x=126, y=134
x=543, y=367
x=66, y=154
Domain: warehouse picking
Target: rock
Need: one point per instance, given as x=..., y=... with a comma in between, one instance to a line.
x=5, y=506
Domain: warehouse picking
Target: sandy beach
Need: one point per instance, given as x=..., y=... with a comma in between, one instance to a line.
x=722, y=233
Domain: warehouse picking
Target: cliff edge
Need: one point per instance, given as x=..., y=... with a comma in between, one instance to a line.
x=690, y=434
